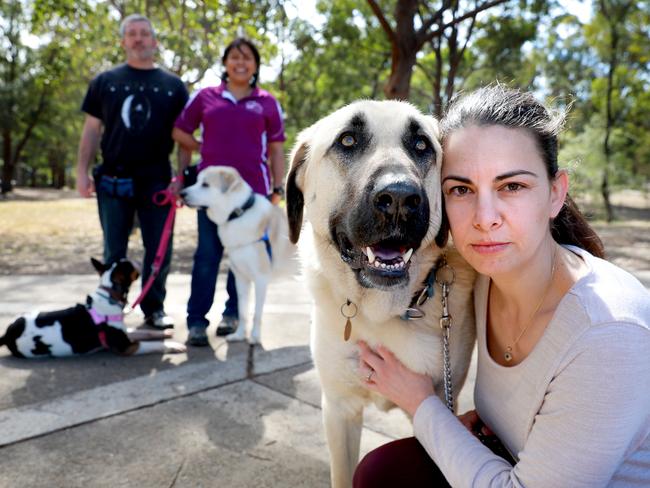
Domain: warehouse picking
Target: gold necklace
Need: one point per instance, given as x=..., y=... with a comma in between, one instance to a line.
x=508, y=354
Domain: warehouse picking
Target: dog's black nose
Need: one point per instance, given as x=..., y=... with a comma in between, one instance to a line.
x=400, y=199
x=182, y=193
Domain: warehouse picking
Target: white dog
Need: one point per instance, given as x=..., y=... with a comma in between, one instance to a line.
x=367, y=178
x=253, y=231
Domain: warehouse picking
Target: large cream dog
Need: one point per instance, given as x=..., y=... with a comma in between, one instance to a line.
x=252, y=230
x=367, y=178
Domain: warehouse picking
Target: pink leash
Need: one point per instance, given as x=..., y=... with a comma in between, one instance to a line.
x=160, y=198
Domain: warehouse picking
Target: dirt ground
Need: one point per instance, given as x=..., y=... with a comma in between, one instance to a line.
x=56, y=232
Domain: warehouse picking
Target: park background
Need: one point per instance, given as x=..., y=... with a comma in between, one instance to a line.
x=201, y=418
x=318, y=55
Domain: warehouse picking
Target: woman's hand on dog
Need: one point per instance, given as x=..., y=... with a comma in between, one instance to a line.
x=392, y=379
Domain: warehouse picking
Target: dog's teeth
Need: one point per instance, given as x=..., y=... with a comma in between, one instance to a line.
x=370, y=254
x=407, y=255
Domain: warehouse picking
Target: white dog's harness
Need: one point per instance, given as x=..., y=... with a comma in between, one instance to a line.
x=238, y=212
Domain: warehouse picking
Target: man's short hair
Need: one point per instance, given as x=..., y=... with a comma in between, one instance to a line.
x=135, y=18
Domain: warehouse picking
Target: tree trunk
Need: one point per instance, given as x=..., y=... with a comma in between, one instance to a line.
x=604, y=191
x=8, y=166
x=609, y=115
x=404, y=47
x=57, y=170
x=399, y=83
x=406, y=41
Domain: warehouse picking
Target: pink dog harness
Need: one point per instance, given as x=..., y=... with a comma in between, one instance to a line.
x=99, y=319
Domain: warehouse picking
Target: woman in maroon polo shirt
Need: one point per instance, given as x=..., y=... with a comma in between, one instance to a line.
x=242, y=127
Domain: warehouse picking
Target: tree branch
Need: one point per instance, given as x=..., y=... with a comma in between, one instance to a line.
x=382, y=21
x=435, y=18
x=30, y=127
x=471, y=13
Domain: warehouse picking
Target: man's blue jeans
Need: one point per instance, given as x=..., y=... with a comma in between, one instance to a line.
x=204, y=275
x=116, y=216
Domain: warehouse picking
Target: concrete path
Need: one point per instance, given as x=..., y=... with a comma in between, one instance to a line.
x=200, y=419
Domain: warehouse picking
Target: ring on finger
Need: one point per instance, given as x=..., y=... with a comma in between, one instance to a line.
x=369, y=377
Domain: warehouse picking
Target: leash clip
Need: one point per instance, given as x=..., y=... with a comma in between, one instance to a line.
x=412, y=313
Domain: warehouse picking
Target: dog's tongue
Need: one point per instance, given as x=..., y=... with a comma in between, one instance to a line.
x=386, y=253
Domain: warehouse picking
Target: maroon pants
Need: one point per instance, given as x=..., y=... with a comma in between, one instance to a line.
x=403, y=462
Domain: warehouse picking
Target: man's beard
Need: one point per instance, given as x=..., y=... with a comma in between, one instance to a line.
x=142, y=54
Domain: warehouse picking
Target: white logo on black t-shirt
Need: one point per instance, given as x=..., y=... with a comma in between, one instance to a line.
x=136, y=112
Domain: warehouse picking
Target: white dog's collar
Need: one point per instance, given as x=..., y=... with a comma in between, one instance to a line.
x=239, y=211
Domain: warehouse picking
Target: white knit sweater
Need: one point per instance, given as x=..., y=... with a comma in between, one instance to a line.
x=576, y=411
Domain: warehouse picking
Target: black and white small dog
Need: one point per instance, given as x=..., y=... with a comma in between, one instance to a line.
x=97, y=325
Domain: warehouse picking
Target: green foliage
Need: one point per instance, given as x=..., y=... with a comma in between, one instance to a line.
x=347, y=59
x=52, y=48
x=582, y=157
x=499, y=51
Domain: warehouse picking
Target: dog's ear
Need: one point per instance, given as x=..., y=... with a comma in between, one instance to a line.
x=295, y=197
x=124, y=273
x=443, y=232
x=99, y=266
x=228, y=181
x=133, y=270
x=137, y=269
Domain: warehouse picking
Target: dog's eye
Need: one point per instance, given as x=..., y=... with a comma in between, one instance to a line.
x=347, y=140
x=421, y=144
x=204, y=185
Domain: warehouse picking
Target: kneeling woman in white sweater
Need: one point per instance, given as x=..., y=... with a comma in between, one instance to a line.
x=563, y=377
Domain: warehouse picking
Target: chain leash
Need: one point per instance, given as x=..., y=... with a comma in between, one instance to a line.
x=445, y=277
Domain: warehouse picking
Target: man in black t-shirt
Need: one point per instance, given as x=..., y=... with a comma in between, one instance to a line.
x=131, y=110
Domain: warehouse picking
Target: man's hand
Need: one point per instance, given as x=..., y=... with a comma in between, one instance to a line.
x=88, y=146
x=85, y=185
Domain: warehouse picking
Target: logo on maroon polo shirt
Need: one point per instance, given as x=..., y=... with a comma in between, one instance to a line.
x=254, y=106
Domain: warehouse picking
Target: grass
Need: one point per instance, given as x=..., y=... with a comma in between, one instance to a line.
x=43, y=233
x=59, y=236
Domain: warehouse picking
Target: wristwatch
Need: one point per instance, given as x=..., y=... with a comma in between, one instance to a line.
x=279, y=190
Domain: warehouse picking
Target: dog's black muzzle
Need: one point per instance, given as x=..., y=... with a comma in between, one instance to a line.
x=377, y=236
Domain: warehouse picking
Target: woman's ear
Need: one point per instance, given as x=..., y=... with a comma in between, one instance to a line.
x=559, y=191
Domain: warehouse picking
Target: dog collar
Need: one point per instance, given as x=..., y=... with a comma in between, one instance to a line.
x=239, y=211
x=115, y=295
x=413, y=311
